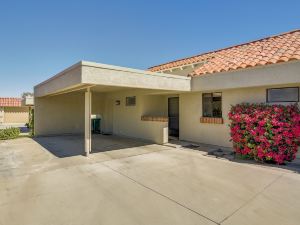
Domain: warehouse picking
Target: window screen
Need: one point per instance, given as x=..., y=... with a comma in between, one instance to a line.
x=290, y=94
x=212, y=104
x=130, y=101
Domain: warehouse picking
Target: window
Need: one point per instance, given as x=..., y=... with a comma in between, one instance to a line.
x=212, y=104
x=290, y=94
x=130, y=101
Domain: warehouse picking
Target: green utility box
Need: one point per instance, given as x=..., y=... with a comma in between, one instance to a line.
x=96, y=125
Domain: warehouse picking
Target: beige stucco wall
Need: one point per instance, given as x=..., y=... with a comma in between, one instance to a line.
x=287, y=73
x=99, y=74
x=127, y=121
x=84, y=74
x=16, y=115
x=64, y=114
x=69, y=78
x=218, y=134
x=102, y=106
x=61, y=114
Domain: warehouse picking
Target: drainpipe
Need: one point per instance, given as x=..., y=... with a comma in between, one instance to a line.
x=87, y=122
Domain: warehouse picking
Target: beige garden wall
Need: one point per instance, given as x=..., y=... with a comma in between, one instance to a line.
x=16, y=115
x=217, y=134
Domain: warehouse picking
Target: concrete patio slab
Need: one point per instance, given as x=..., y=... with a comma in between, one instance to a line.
x=90, y=194
x=279, y=203
x=126, y=181
x=204, y=185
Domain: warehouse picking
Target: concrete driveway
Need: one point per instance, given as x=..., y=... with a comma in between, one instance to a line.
x=46, y=181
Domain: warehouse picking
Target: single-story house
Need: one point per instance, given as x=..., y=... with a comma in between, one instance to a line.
x=14, y=111
x=187, y=98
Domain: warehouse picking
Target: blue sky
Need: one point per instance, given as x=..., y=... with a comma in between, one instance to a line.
x=41, y=38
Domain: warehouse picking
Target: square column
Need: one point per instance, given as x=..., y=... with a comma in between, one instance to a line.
x=87, y=122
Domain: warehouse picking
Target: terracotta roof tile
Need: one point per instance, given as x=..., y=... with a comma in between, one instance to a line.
x=270, y=50
x=5, y=102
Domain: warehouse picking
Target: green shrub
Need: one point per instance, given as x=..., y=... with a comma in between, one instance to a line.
x=9, y=133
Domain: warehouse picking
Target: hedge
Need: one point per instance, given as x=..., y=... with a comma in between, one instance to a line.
x=9, y=133
x=265, y=132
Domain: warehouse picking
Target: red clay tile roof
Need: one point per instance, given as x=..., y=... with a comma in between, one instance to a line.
x=10, y=102
x=270, y=50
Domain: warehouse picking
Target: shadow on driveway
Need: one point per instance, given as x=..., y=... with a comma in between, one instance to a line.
x=73, y=145
x=228, y=154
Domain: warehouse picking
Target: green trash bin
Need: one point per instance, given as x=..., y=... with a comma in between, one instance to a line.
x=96, y=126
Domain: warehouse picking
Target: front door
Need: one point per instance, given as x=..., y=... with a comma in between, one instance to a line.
x=173, y=114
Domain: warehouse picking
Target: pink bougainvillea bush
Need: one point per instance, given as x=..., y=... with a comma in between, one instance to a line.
x=265, y=132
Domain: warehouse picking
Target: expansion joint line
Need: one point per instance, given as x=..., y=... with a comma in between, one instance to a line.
x=250, y=200
x=178, y=203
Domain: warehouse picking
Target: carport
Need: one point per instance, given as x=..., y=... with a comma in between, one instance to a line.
x=130, y=102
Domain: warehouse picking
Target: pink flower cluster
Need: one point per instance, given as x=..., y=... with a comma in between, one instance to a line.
x=265, y=132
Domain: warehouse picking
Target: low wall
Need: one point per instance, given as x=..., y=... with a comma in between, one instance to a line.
x=16, y=115
x=155, y=131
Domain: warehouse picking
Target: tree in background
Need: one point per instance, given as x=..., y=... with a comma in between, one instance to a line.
x=27, y=94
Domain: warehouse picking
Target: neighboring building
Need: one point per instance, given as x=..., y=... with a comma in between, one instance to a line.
x=28, y=100
x=12, y=111
x=189, y=98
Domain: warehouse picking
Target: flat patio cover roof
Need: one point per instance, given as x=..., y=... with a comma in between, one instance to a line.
x=87, y=74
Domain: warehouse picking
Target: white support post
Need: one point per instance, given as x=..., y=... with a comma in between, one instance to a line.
x=87, y=122
x=1, y=115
